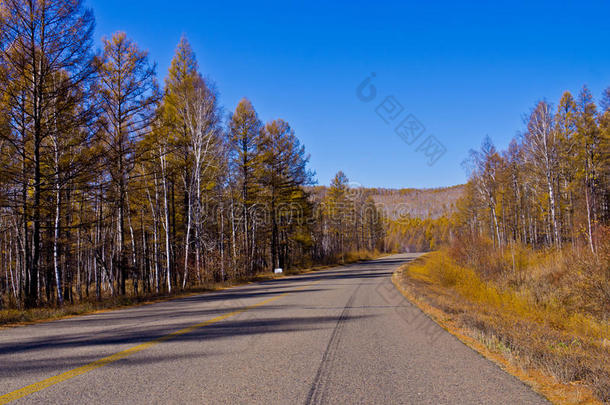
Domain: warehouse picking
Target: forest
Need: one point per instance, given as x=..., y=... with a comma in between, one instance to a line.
x=550, y=187
x=112, y=184
x=522, y=262
x=121, y=185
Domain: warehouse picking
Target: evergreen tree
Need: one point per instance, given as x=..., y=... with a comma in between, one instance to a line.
x=284, y=173
x=128, y=95
x=245, y=138
x=588, y=157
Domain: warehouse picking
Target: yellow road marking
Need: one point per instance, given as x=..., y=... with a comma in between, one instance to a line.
x=41, y=385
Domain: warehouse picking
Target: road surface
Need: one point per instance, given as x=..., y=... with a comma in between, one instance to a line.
x=339, y=336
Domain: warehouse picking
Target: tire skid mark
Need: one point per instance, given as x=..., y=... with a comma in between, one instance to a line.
x=320, y=383
x=75, y=372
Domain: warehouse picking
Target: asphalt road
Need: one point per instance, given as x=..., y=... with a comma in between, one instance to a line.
x=339, y=336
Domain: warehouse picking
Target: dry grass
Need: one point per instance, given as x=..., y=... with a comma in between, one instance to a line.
x=547, y=313
x=15, y=317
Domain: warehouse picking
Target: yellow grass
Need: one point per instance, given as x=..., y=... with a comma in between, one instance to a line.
x=440, y=269
x=531, y=322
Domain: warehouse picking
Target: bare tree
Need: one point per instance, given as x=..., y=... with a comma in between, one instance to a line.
x=46, y=49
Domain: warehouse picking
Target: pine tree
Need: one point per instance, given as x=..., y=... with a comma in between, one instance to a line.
x=550, y=188
x=588, y=155
x=244, y=140
x=103, y=186
x=338, y=212
x=565, y=126
x=128, y=95
x=604, y=125
x=283, y=174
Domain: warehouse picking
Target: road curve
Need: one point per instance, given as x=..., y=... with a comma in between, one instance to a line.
x=343, y=335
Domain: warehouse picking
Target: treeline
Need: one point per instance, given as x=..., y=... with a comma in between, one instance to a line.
x=111, y=185
x=348, y=219
x=528, y=264
x=551, y=187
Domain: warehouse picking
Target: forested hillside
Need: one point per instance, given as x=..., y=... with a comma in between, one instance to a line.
x=421, y=203
x=418, y=220
x=415, y=220
x=113, y=184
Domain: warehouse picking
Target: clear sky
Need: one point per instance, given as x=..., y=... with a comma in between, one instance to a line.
x=464, y=69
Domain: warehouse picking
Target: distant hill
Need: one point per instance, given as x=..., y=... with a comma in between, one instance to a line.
x=414, y=202
x=421, y=203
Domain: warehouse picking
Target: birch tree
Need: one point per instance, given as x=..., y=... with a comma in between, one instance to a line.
x=486, y=165
x=192, y=115
x=542, y=146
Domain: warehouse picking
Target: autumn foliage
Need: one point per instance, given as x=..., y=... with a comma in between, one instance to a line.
x=112, y=185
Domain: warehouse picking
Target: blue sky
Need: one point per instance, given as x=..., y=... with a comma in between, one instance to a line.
x=463, y=70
